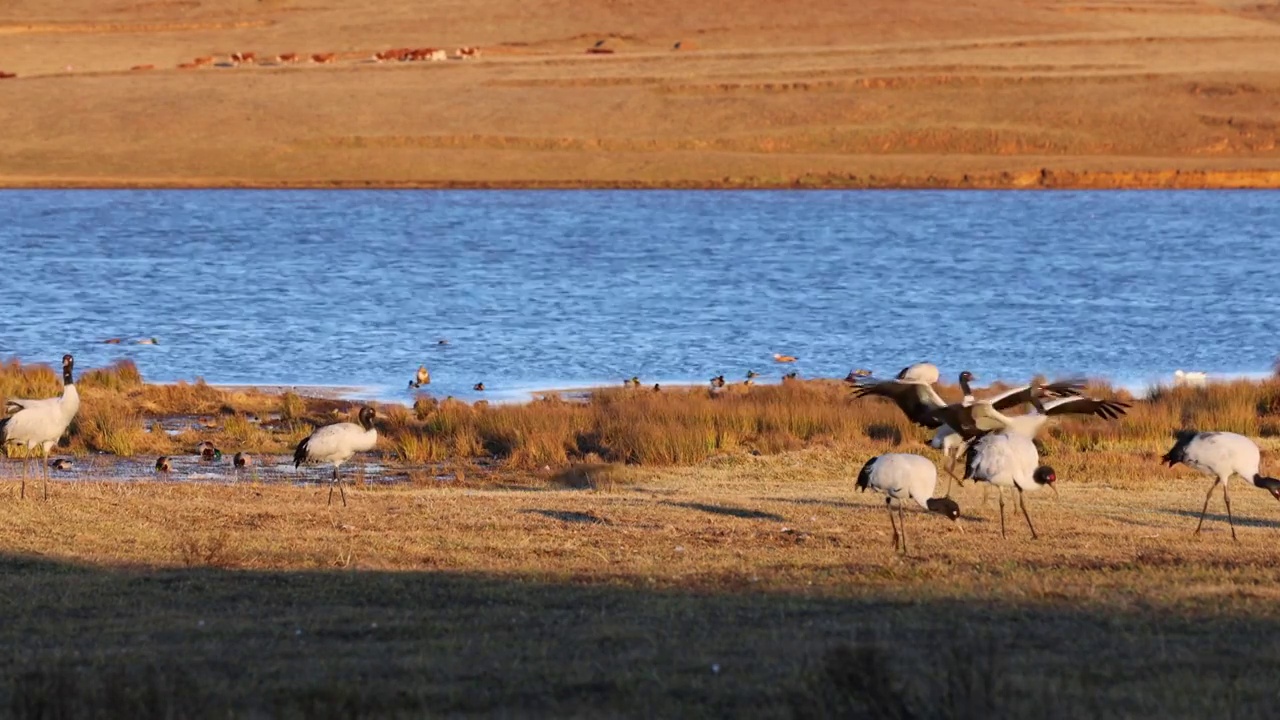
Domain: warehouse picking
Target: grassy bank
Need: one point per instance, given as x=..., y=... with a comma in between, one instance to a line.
x=123, y=415
x=748, y=586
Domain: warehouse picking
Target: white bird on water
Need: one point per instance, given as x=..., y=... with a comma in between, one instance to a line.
x=1221, y=455
x=1009, y=459
x=336, y=444
x=41, y=423
x=901, y=476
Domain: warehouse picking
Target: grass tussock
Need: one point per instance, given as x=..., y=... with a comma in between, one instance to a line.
x=637, y=427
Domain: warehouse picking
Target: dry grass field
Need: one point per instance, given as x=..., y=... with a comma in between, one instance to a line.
x=747, y=580
x=881, y=93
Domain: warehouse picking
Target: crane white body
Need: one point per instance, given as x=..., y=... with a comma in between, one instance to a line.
x=41, y=423
x=1008, y=460
x=1221, y=455
x=900, y=477
x=335, y=444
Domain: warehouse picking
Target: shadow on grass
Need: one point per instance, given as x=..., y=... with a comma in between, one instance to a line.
x=156, y=643
x=570, y=516
x=745, y=513
x=1213, y=517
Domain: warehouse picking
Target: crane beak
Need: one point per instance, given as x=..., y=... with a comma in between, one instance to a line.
x=1054, y=488
x=959, y=527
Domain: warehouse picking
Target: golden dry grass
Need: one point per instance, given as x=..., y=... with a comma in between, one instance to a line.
x=637, y=554
x=745, y=586
x=1042, y=93
x=635, y=427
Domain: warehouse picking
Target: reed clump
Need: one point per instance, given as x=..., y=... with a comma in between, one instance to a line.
x=613, y=425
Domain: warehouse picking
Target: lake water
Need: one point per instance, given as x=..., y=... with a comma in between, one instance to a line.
x=547, y=289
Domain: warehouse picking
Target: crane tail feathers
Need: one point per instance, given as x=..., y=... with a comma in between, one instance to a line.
x=300, y=454
x=864, y=475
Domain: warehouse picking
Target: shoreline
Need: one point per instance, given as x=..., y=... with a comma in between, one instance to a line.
x=1041, y=179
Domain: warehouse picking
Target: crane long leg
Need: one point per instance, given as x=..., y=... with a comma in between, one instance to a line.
x=902, y=520
x=951, y=470
x=888, y=505
x=22, y=493
x=44, y=463
x=1226, y=496
x=1000, y=494
x=1205, y=509
x=1022, y=502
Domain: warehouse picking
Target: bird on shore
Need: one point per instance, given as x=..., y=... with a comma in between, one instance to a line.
x=163, y=465
x=242, y=461
x=422, y=377
x=1220, y=455
x=777, y=357
x=657, y=387
x=40, y=423
x=632, y=382
x=752, y=374
x=791, y=376
x=717, y=381
x=478, y=387
x=1005, y=460
x=336, y=444
x=208, y=452
x=857, y=374
x=923, y=372
x=61, y=464
x=1182, y=378
x=902, y=476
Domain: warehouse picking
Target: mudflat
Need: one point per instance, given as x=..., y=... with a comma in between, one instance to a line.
x=880, y=93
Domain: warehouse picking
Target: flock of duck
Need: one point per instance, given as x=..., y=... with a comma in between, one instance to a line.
x=998, y=447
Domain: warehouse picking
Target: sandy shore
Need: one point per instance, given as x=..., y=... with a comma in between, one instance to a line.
x=1039, y=94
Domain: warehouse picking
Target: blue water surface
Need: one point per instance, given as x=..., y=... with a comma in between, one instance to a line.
x=544, y=289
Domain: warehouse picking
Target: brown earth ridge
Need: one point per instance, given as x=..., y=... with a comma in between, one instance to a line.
x=875, y=94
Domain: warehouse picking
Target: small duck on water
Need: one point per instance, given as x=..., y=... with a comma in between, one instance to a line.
x=423, y=377
x=784, y=358
x=856, y=375
x=62, y=464
x=148, y=341
x=478, y=387
x=752, y=374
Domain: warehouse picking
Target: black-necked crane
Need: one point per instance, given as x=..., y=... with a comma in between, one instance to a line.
x=989, y=416
x=1006, y=459
x=336, y=444
x=1220, y=455
x=900, y=477
x=970, y=418
x=40, y=423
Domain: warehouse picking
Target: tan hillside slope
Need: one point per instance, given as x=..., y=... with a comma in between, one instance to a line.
x=758, y=93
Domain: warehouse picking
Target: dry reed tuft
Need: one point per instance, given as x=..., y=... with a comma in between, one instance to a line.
x=615, y=425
